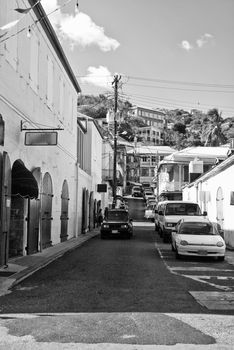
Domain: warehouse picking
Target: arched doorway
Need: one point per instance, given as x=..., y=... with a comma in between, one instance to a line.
x=85, y=209
x=64, y=212
x=5, y=206
x=46, y=210
x=34, y=218
x=91, y=211
x=24, y=189
x=219, y=207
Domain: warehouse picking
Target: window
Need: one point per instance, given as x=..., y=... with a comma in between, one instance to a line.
x=50, y=81
x=153, y=159
x=11, y=44
x=186, y=173
x=144, y=172
x=61, y=98
x=144, y=159
x=232, y=198
x=34, y=59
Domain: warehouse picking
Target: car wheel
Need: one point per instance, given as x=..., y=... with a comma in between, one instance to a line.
x=221, y=258
x=178, y=256
x=165, y=240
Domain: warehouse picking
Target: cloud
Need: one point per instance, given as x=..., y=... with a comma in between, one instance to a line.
x=205, y=39
x=79, y=28
x=186, y=45
x=100, y=76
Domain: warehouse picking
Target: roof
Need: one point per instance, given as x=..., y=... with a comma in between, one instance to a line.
x=173, y=201
x=214, y=171
x=162, y=150
x=51, y=35
x=207, y=154
x=196, y=218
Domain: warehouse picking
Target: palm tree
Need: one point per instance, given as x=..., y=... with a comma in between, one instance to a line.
x=212, y=132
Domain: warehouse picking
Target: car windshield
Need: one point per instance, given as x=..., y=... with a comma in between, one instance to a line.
x=182, y=209
x=117, y=216
x=197, y=228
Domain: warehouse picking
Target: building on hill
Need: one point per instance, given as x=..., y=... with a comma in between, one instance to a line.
x=141, y=163
x=184, y=166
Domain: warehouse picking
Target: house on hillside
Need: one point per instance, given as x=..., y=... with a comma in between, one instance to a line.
x=142, y=161
x=214, y=191
x=184, y=166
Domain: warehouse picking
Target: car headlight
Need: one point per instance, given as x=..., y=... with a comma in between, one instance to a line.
x=183, y=242
x=124, y=226
x=219, y=244
x=169, y=224
x=105, y=225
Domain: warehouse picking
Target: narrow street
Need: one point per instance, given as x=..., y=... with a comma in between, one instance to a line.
x=119, y=292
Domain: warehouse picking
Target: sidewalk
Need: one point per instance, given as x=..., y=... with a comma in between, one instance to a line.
x=21, y=267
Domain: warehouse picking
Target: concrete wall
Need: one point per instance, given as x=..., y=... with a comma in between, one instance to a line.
x=223, y=180
x=23, y=100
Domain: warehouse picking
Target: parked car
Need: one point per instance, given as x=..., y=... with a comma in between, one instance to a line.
x=148, y=193
x=151, y=200
x=197, y=236
x=149, y=212
x=137, y=192
x=117, y=222
x=168, y=213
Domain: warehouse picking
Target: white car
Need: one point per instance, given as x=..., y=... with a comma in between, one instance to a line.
x=149, y=212
x=197, y=237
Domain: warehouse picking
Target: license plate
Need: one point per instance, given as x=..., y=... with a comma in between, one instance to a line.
x=202, y=252
x=114, y=231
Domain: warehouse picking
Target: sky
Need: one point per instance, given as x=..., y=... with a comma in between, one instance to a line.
x=169, y=53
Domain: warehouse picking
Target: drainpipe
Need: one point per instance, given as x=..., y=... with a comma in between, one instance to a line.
x=76, y=206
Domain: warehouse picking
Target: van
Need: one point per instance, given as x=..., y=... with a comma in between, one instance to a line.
x=168, y=213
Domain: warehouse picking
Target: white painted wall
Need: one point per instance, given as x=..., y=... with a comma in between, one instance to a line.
x=23, y=101
x=224, y=180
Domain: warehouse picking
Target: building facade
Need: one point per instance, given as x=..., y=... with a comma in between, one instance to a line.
x=38, y=103
x=142, y=162
x=182, y=167
x=214, y=192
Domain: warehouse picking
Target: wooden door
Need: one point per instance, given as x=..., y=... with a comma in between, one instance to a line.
x=5, y=167
x=34, y=218
x=219, y=207
x=64, y=212
x=46, y=210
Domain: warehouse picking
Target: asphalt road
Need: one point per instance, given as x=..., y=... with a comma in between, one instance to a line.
x=113, y=275
x=120, y=294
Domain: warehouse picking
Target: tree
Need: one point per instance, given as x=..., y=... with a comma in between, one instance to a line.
x=212, y=131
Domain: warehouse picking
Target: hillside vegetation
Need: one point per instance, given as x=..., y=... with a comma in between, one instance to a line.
x=182, y=129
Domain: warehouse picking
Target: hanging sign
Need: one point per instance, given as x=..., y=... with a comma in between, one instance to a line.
x=41, y=138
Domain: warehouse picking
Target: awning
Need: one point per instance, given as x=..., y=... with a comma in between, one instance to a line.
x=23, y=181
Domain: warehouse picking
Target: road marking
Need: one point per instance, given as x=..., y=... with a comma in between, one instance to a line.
x=215, y=300
x=200, y=269
x=195, y=278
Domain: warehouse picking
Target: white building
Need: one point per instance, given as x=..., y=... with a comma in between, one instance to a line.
x=38, y=93
x=214, y=191
x=182, y=167
x=89, y=155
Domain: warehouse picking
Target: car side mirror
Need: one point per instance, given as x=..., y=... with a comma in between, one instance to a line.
x=204, y=213
x=160, y=212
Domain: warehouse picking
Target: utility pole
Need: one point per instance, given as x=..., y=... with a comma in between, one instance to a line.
x=116, y=84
